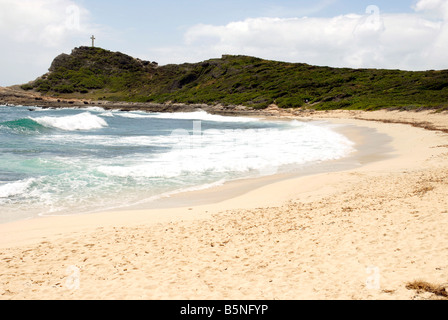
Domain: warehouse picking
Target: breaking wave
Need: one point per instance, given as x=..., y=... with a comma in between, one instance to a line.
x=80, y=122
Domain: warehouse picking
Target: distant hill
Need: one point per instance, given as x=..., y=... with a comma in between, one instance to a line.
x=95, y=73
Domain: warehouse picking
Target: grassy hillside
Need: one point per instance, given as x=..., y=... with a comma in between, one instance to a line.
x=100, y=74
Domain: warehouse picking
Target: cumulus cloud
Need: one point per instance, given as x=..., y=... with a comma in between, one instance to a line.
x=33, y=32
x=415, y=41
x=43, y=22
x=436, y=7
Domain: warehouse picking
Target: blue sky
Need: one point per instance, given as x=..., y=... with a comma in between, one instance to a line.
x=399, y=34
x=139, y=24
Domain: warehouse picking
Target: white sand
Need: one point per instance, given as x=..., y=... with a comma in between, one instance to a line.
x=358, y=234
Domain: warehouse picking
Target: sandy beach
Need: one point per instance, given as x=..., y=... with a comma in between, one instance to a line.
x=361, y=232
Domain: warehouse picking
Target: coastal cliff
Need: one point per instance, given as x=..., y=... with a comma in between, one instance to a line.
x=94, y=74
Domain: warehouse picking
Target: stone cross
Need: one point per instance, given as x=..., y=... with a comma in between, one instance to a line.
x=93, y=41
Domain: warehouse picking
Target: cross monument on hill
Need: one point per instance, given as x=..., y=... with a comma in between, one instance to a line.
x=93, y=41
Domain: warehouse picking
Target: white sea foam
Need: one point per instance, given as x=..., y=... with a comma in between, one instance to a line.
x=203, y=115
x=236, y=151
x=107, y=114
x=109, y=140
x=83, y=121
x=132, y=115
x=198, y=115
x=94, y=109
x=15, y=188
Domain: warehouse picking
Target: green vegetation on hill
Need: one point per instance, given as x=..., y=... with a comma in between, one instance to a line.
x=95, y=73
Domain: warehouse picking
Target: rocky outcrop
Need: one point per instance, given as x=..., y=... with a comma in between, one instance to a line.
x=60, y=61
x=15, y=96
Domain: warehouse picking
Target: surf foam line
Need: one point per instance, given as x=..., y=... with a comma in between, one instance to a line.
x=197, y=115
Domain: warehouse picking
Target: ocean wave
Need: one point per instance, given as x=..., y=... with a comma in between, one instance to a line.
x=132, y=115
x=77, y=171
x=80, y=122
x=108, y=114
x=25, y=125
x=245, y=151
x=15, y=188
x=202, y=115
x=197, y=115
x=94, y=109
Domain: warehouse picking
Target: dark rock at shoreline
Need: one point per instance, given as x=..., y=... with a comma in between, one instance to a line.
x=18, y=97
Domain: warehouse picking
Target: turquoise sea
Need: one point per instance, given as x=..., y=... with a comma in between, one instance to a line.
x=65, y=161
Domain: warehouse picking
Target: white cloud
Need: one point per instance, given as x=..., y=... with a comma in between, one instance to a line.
x=33, y=32
x=375, y=40
x=435, y=7
x=43, y=22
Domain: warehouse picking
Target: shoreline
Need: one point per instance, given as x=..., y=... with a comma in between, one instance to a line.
x=364, y=152
x=309, y=237
x=370, y=146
